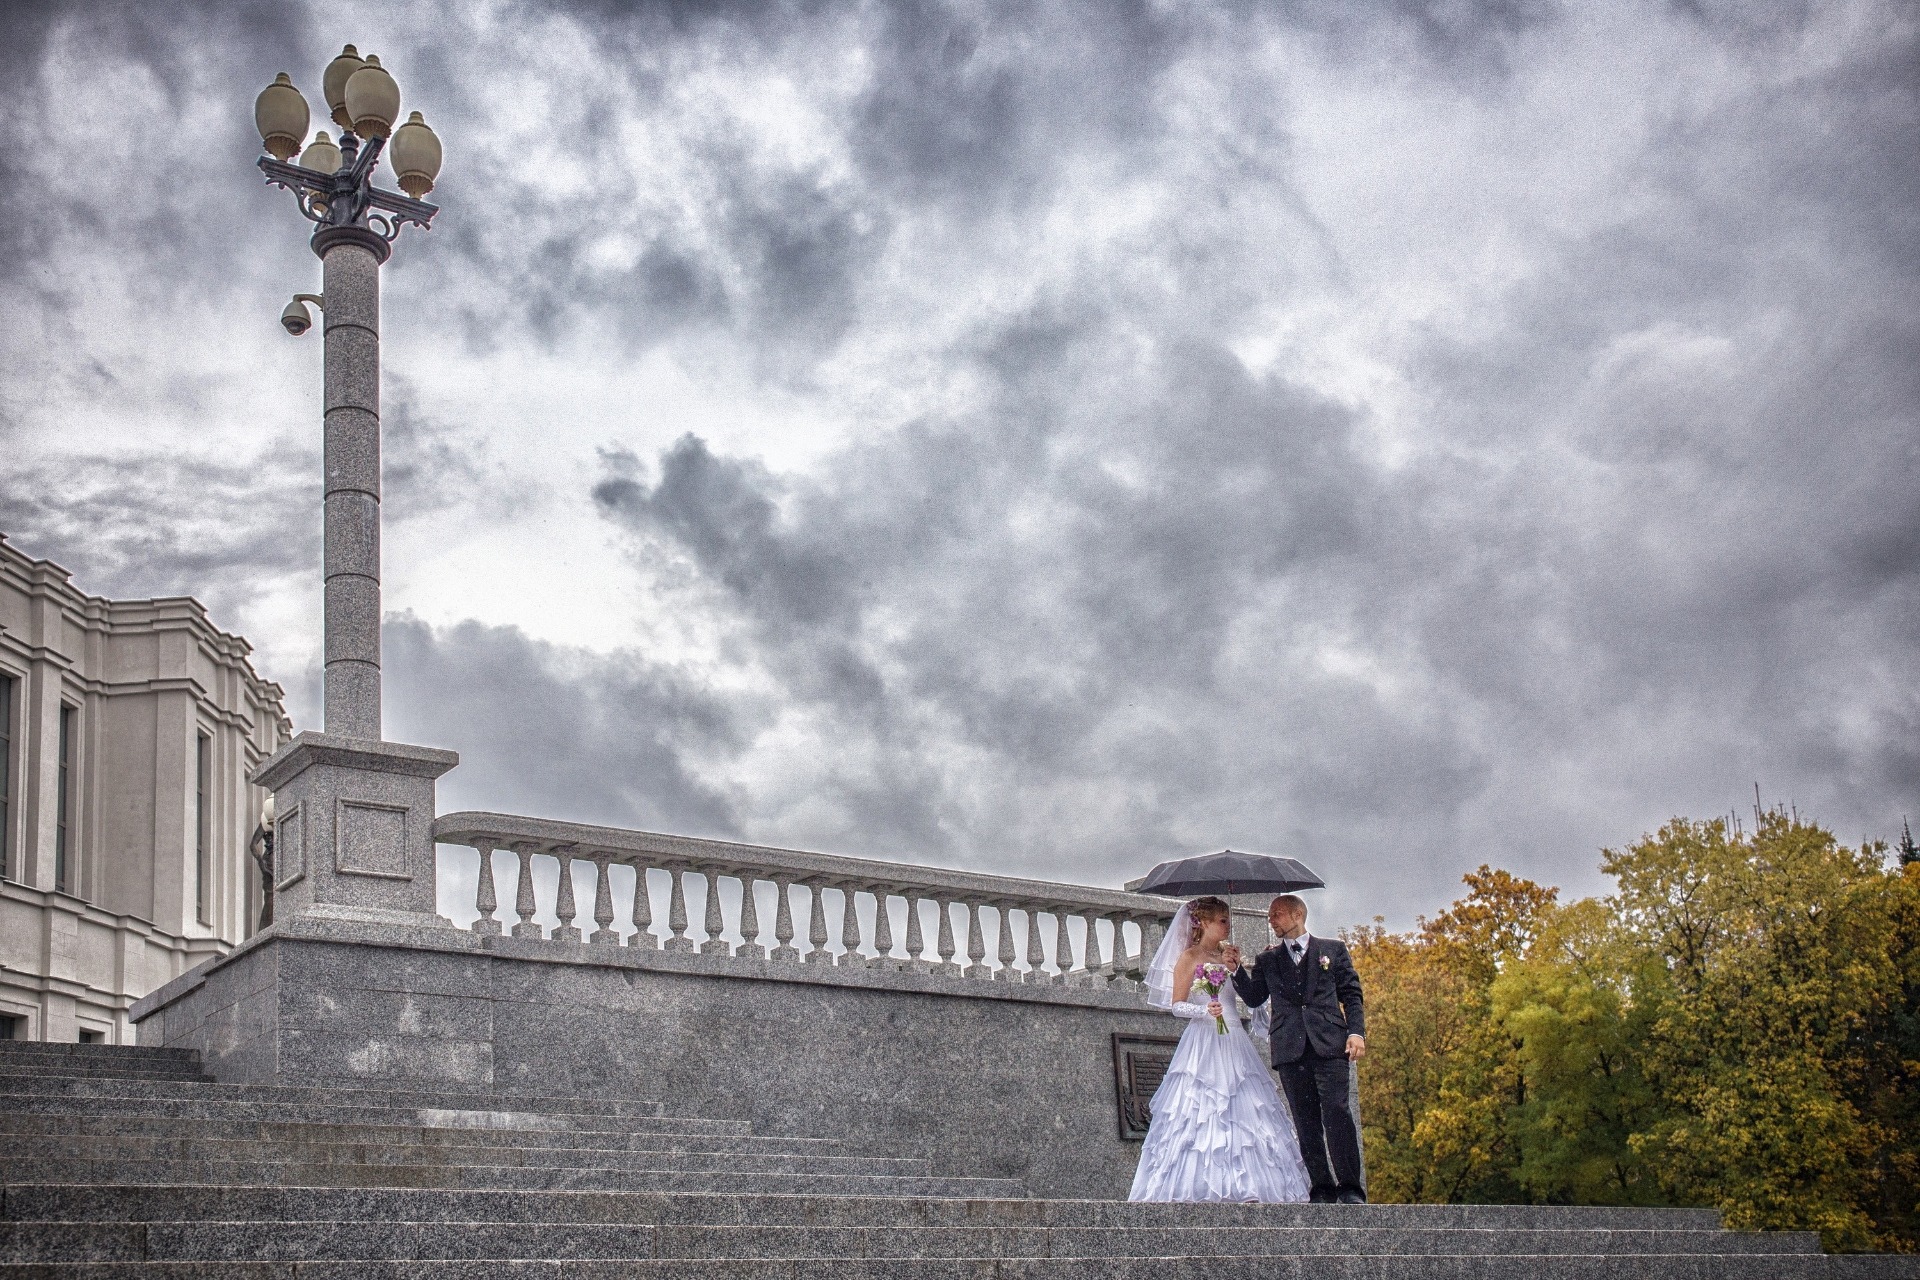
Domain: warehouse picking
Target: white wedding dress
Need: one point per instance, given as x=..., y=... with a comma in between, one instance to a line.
x=1220, y=1129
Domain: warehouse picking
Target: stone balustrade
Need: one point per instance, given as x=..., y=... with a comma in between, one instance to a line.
x=790, y=905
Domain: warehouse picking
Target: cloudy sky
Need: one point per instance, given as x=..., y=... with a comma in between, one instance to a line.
x=1036, y=438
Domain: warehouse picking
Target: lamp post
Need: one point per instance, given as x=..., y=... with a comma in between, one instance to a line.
x=350, y=837
x=356, y=224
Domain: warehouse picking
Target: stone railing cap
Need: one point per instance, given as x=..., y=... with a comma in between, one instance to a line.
x=727, y=857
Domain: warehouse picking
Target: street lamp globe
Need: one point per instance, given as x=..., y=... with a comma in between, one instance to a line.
x=333, y=84
x=321, y=155
x=280, y=113
x=373, y=100
x=415, y=154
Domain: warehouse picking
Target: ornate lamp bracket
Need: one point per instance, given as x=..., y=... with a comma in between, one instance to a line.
x=348, y=198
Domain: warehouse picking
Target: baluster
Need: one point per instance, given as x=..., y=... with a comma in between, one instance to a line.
x=566, y=930
x=677, y=939
x=944, y=947
x=1090, y=955
x=1122, y=958
x=976, y=943
x=1006, y=972
x=1110, y=972
x=1036, y=974
x=883, y=930
x=850, y=931
x=642, y=911
x=749, y=921
x=916, y=945
x=817, y=927
x=523, y=902
x=1133, y=965
x=715, y=945
x=603, y=904
x=1153, y=930
x=783, y=921
x=1062, y=948
x=483, y=895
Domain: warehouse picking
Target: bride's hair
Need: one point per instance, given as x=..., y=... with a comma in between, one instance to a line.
x=1201, y=910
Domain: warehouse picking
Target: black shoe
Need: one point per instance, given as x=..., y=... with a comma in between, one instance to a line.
x=1320, y=1195
x=1351, y=1196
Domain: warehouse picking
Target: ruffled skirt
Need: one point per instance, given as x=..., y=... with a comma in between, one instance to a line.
x=1220, y=1130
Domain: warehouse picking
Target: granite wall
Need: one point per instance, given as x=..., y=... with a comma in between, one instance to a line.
x=984, y=1078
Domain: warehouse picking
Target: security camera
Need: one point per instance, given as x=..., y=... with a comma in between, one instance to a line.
x=296, y=319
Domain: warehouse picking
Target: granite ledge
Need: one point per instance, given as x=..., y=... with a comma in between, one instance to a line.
x=371, y=754
x=452, y=941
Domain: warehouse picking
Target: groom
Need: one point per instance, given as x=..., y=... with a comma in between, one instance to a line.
x=1319, y=1025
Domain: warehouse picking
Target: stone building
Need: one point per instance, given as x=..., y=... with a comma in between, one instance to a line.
x=127, y=731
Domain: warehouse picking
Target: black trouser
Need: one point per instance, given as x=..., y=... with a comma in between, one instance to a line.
x=1317, y=1091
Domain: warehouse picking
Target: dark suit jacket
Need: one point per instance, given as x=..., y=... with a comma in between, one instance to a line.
x=1331, y=1005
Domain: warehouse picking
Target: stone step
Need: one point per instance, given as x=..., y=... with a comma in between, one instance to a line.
x=358, y=1269
x=57, y=1202
x=40, y=1049
x=44, y=1084
x=1208, y=1267
x=43, y=1201
x=744, y=1209
x=18, y=1129
x=197, y=1151
x=65, y=1069
x=303, y=1240
x=294, y=1240
x=320, y=1113
x=503, y=1177
x=1153, y=1242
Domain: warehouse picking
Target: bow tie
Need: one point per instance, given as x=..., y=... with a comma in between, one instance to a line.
x=1296, y=949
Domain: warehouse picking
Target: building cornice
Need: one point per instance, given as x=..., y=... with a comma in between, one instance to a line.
x=97, y=615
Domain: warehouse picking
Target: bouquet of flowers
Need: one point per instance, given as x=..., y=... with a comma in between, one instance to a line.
x=1213, y=976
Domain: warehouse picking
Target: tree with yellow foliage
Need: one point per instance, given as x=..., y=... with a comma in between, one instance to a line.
x=1737, y=1025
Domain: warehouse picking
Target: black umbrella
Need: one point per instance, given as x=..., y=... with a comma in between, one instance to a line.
x=1228, y=872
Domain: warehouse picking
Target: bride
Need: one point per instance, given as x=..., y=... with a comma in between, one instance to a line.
x=1219, y=1130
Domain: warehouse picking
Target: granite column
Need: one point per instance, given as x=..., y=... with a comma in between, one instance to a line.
x=351, y=259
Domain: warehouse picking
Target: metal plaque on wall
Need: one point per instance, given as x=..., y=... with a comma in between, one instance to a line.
x=1139, y=1064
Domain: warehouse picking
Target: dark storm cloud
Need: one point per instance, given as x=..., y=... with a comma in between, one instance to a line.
x=974, y=105
x=1633, y=525
x=1468, y=38
x=994, y=585
x=1661, y=547
x=185, y=47
x=588, y=738
x=121, y=526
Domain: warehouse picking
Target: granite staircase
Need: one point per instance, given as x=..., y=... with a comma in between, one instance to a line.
x=126, y=1162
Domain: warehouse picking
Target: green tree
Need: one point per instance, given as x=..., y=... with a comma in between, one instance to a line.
x=1757, y=974
x=1441, y=1073
x=1568, y=1006
x=1737, y=1025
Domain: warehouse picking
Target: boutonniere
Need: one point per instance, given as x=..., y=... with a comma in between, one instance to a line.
x=1326, y=962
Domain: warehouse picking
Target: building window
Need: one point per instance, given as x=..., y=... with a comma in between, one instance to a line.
x=203, y=748
x=6, y=778
x=93, y=1037
x=12, y=1027
x=63, y=821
